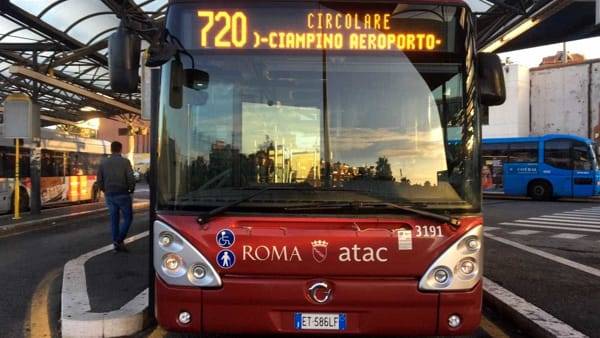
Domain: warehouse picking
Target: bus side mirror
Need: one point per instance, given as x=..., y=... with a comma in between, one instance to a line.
x=196, y=79
x=124, y=60
x=492, y=91
x=177, y=79
x=191, y=78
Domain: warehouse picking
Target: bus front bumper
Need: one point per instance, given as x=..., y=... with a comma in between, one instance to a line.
x=268, y=305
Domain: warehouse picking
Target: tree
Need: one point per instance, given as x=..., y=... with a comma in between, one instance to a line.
x=383, y=170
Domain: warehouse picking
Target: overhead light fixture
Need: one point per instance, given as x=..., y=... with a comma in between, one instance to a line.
x=511, y=35
x=540, y=15
x=88, y=108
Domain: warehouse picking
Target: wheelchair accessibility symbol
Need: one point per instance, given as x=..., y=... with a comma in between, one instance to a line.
x=226, y=259
x=225, y=238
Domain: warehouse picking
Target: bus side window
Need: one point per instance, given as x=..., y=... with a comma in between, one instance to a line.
x=495, y=150
x=3, y=162
x=75, y=165
x=93, y=163
x=48, y=166
x=582, y=159
x=557, y=153
x=24, y=164
x=9, y=162
x=526, y=152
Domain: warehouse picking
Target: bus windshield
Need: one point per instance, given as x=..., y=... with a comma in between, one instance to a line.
x=594, y=153
x=326, y=125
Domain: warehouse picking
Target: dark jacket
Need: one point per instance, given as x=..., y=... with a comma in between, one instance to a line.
x=115, y=175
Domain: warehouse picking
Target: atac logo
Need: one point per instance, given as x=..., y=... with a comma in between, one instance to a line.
x=319, y=250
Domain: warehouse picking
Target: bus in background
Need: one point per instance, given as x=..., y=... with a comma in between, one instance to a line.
x=541, y=167
x=68, y=170
x=317, y=166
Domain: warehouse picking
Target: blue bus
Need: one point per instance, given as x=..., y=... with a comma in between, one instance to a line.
x=542, y=167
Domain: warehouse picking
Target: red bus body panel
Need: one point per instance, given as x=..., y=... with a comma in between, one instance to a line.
x=377, y=290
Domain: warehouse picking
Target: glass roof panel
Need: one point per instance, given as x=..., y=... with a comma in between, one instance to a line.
x=61, y=16
x=22, y=36
x=478, y=5
x=7, y=25
x=100, y=37
x=75, y=70
x=34, y=7
x=87, y=29
x=153, y=6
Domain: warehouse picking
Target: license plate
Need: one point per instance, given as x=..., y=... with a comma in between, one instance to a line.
x=320, y=321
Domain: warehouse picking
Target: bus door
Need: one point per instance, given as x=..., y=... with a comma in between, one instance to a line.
x=558, y=166
x=583, y=170
x=520, y=167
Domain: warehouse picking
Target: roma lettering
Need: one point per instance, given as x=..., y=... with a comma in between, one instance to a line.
x=272, y=253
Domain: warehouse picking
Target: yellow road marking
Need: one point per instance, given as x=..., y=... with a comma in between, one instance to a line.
x=158, y=332
x=38, y=323
x=492, y=329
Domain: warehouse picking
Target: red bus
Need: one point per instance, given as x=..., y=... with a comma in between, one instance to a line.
x=317, y=167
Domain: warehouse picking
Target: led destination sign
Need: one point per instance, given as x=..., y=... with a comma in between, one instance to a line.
x=313, y=30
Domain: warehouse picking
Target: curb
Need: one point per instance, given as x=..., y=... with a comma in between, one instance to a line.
x=76, y=316
x=528, y=317
x=27, y=225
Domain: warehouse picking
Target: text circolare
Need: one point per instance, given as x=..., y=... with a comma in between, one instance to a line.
x=348, y=21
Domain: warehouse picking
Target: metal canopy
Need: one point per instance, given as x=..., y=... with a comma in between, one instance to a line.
x=67, y=40
x=574, y=21
x=517, y=24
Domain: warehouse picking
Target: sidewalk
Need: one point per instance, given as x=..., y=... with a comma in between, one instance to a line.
x=104, y=293
x=52, y=215
x=113, y=279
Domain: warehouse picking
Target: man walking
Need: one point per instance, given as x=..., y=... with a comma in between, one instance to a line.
x=115, y=179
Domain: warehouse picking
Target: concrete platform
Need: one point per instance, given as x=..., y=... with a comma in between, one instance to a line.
x=105, y=293
x=113, y=279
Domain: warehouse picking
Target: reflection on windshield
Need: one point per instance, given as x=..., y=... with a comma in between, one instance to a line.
x=594, y=153
x=381, y=126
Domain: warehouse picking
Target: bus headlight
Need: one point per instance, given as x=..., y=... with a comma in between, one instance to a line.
x=472, y=243
x=198, y=271
x=178, y=262
x=172, y=264
x=441, y=275
x=464, y=257
x=466, y=268
x=165, y=239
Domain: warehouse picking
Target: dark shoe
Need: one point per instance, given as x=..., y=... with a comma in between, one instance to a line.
x=122, y=247
x=116, y=247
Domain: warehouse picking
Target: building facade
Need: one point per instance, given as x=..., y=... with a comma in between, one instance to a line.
x=511, y=118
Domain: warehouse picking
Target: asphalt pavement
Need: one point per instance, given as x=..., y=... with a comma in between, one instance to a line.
x=554, y=263
x=33, y=260
x=569, y=289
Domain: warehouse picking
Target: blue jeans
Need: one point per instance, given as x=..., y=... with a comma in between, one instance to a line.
x=117, y=204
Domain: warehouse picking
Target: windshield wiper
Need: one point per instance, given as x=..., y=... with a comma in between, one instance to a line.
x=217, y=211
x=453, y=221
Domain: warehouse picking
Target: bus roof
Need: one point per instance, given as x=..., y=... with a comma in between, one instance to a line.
x=536, y=139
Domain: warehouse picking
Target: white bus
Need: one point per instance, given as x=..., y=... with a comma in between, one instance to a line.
x=68, y=170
